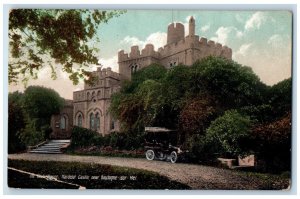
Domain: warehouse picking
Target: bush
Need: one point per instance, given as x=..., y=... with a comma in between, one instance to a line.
x=229, y=132
x=82, y=137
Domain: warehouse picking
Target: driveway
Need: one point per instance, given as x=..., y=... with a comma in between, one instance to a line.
x=195, y=176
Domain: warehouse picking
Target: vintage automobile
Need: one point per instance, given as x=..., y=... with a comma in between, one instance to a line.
x=162, y=144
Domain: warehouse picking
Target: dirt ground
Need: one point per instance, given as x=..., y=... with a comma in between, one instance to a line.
x=195, y=176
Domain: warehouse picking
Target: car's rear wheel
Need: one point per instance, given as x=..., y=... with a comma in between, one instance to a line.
x=150, y=155
x=173, y=157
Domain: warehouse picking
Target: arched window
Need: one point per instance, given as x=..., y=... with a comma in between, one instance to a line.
x=92, y=121
x=88, y=96
x=79, y=120
x=63, y=122
x=97, y=122
x=112, y=124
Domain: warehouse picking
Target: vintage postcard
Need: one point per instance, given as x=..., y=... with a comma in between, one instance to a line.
x=149, y=99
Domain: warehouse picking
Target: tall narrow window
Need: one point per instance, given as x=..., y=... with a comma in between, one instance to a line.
x=63, y=122
x=97, y=122
x=92, y=121
x=79, y=120
x=112, y=124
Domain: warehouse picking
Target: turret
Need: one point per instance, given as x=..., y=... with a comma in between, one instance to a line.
x=192, y=26
x=175, y=33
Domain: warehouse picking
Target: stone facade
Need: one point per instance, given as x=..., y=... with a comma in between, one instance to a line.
x=90, y=105
x=178, y=50
x=62, y=123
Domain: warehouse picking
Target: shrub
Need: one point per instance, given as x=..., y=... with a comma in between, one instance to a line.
x=229, y=132
x=82, y=137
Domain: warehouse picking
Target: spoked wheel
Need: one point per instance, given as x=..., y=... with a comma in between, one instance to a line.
x=150, y=155
x=173, y=156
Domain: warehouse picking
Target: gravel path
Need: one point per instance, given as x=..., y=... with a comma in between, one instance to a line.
x=195, y=176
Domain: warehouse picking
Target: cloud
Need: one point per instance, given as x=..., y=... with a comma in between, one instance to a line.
x=205, y=28
x=276, y=41
x=222, y=35
x=242, y=51
x=110, y=62
x=158, y=39
x=132, y=41
x=255, y=21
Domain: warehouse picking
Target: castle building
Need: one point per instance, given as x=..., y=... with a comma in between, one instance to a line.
x=178, y=50
x=90, y=105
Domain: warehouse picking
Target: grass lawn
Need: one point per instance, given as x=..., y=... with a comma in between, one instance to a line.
x=90, y=176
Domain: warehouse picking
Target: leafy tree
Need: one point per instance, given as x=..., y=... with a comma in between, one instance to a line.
x=230, y=131
x=196, y=114
x=40, y=37
x=16, y=122
x=39, y=104
x=139, y=100
x=151, y=72
x=226, y=79
x=272, y=143
x=280, y=96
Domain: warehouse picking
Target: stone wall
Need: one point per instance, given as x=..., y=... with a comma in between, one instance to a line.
x=95, y=99
x=59, y=131
x=178, y=50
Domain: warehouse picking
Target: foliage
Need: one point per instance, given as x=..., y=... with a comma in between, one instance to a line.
x=229, y=131
x=33, y=133
x=272, y=142
x=197, y=114
x=16, y=122
x=82, y=137
x=226, y=79
x=41, y=102
x=40, y=37
x=30, y=114
x=280, y=96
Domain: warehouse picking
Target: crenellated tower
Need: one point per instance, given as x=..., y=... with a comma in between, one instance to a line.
x=178, y=50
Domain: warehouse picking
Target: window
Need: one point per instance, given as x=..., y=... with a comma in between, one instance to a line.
x=79, y=120
x=63, y=122
x=112, y=124
x=98, y=122
x=133, y=68
x=92, y=121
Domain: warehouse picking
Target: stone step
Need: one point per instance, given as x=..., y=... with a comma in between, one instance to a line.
x=46, y=152
x=59, y=141
x=52, y=147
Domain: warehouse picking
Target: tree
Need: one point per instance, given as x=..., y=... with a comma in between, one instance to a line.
x=280, y=96
x=226, y=79
x=196, y=114
x=229, y=132
x=272, y=143
x=40, y=38
x=139, y=101
x=16, y=122
x=39, y=105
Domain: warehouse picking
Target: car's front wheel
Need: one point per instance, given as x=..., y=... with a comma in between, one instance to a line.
x=173, y=157
x=150, y=155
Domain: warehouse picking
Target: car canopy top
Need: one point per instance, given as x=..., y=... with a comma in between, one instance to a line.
x=157, y=129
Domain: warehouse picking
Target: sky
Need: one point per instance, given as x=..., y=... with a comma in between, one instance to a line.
x=261, y=40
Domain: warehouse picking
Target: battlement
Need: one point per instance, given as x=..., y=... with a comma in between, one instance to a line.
x=179, y=49
x=135, y=53
x=106, y=72
x=175, y=32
